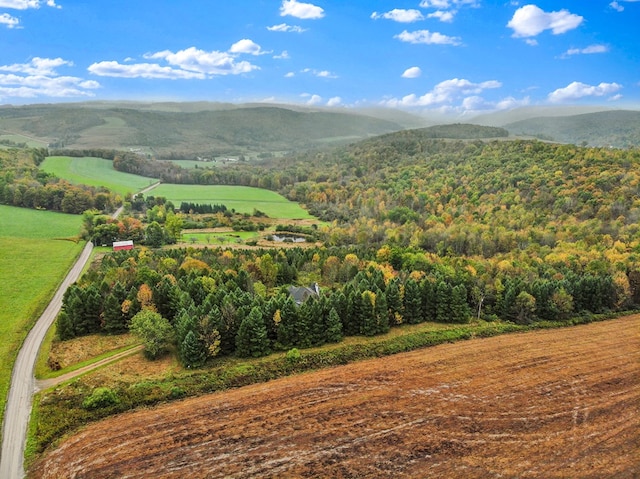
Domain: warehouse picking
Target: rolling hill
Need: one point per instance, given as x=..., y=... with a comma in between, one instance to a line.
x=617, y=128
x=188, y=130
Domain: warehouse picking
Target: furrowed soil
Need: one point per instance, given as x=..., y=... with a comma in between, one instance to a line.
x=546, y=404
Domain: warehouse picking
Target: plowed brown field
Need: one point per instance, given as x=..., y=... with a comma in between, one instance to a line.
x=547, y=404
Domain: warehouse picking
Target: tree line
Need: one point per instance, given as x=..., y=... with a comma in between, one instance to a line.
x=214, y=302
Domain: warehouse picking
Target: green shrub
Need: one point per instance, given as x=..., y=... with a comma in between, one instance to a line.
x=101, y=398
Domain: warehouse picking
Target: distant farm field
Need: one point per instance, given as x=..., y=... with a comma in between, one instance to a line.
x=34, y=258
x=94, y=172
x=243, y=199
x=553, y=403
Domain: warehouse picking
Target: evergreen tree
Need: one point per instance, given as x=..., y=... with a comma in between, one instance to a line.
x=460, y=312
x=427, y=289
x=288, y=329
x=394, y=302
x=64, y=327
x=193, y=353
x=113, y=321
x=252, y=340
x=334, y=327
x=443, y=302
x=412, y=302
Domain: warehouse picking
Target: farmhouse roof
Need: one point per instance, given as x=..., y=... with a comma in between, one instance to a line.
x=301, y=293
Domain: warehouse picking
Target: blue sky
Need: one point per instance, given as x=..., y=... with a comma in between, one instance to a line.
x=449, y=56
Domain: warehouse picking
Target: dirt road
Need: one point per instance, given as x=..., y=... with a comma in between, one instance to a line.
x=22, y=385
x=547, y=404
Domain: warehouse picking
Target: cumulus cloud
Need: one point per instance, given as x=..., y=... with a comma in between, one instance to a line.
x=289, y=75
x=586, y=51
x=39, y=78
x=446, y=9
x=445, y=93
x=191, y=63
x=246, y=46
x=427, y=37
x=443, y=16
x=26, y=4
x=9, y=21
x=400, y=15
x=319, y=73
x=530, y=20
x=304, y=11
x=312, y=99
x=283, y=56
x=618, y=6
x=283, y=27
x=413, y=72
x=447, y=3
x=334, y=101
x=141, y=70
x=577, y=90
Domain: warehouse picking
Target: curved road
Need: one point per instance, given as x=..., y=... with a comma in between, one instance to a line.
x=18, y=409
x=23, y=384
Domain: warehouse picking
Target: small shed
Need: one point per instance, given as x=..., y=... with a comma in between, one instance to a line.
x=301, y=293
x=120, y=245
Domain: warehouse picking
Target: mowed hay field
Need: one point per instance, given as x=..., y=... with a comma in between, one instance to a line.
x=95, y=172
x=543, y=404
x=243, y=199
x=34, y=259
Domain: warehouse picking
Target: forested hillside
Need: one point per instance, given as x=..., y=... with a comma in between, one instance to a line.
x=618, y=128
x=186, y=134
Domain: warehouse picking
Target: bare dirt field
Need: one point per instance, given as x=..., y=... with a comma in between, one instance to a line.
x=549, y=404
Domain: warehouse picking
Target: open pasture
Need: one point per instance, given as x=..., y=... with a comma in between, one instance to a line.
x=551, y=403
x=243, y=199
x=94, y=172
x=35, y=254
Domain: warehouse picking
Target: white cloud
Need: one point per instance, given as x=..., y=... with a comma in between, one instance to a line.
x=38, y=78
x=445, y=93
x=304, y=11
x=447, y=3
x=283, y=56
x=312, y=99
x=283, y=27
x=26, y=4
x=191, y=63
x=530, y=20
x=246, y=46
x=577, y=90
x=443, y=16
x=586, y=51
x=289, y=75
x=413, y=72
x=620, y=8
x=400, y=15
x=211, y=63
x=427, y=37
x=37, y=66
x=9, y=21
x=319, y=73
x=141, y=70
x=334, y=101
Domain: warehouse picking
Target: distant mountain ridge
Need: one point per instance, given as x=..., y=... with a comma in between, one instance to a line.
x=190, y=129
x=615, y=128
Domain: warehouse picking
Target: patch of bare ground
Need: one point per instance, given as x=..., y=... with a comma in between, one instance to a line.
x=77, y=350
x=547, y=404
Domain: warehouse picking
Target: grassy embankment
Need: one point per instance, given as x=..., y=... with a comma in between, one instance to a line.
x=95, y=172
x=36, y=251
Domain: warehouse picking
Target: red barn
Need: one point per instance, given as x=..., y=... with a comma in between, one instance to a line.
x=120, y=245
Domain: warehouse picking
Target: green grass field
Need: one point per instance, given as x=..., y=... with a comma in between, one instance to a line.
x=34, y=259
x=16, y=138
x=243, y=199
x=218, y=238
x=94, y=172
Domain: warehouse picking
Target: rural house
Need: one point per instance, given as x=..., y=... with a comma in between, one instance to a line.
x=301, y=293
